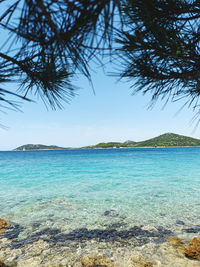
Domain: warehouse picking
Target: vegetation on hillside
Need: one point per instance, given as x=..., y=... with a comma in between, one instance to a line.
x=113, y=145
x=164, y=140
x=169, y=140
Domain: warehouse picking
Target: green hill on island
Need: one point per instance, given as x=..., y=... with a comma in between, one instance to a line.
x=38, y=147
x=169, y=140
x=164, y=140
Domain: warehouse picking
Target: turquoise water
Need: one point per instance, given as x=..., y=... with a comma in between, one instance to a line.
x=70, y=189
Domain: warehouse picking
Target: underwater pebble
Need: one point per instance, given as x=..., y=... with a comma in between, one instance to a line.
x=192, y=230
x=111, y=213
x=180, y=222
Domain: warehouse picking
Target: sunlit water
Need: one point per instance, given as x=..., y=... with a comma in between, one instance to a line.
x=71, y=189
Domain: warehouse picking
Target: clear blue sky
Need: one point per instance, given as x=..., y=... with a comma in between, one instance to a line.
x=110, y=115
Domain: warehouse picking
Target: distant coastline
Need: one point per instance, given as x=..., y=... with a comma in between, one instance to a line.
x=99, y=148
x=161, y=141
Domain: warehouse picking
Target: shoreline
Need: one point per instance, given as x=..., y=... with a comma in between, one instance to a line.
x=99, y=148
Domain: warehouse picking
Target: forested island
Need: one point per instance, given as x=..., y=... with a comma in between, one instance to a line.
x=164, y=140
x=37, y=147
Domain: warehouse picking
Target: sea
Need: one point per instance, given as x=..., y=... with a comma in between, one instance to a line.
x=85, y=190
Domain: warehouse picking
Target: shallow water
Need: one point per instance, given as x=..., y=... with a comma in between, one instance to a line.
x=99, y=189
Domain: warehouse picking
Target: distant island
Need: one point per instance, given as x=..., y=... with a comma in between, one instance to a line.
x=37, y=147
x=164, y=140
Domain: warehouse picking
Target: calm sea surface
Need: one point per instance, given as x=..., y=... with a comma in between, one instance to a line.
x=70, y=189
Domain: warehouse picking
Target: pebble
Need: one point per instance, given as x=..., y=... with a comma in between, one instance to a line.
x=192, y=230
x=180, y=222
x=111, y=213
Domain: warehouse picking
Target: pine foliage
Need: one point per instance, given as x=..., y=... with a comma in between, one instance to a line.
x=154, y=43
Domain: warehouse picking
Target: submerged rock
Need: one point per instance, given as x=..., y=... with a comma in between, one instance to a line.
x=96, y=261
x=140, y=261
x=172, y=253
x=193, y=230
x=2, y=264
x=193, y=251
x=3, y=225
x=13, y=231
x=175, y=241
x=178, y=245
x=111, y=213
x=180, y=222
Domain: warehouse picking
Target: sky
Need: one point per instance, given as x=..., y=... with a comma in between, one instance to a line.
x=111, y=114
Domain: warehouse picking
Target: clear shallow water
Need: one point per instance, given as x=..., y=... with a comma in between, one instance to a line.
x=70, y=189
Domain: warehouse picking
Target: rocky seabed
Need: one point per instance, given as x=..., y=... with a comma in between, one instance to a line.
x=139, y=246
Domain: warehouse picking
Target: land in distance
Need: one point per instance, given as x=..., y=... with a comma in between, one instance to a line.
x=164, y=140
